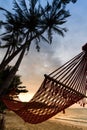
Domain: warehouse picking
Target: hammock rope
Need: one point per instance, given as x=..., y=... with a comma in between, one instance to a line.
x=59, y=90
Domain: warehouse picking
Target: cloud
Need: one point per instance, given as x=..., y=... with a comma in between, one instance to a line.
x=35, y=65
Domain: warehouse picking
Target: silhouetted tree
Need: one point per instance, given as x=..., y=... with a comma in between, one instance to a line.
x=28, y=23
x=15, y=87
x=13, y=90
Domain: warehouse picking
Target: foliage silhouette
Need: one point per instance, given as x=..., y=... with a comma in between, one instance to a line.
x=29, y=23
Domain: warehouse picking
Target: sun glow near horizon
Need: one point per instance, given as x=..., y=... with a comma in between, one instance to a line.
x=25, y=97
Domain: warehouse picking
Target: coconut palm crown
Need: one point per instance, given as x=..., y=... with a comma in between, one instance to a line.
x=30, y=22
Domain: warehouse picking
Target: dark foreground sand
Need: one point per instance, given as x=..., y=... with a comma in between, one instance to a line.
x=13, y=122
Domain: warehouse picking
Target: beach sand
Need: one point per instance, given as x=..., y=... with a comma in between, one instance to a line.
x=58, y=122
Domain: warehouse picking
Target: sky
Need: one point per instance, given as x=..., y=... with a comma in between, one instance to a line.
x=50, y=57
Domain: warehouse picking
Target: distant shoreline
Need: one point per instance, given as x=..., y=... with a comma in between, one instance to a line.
x=72, y=120
x=67, y=121
x=73, y=117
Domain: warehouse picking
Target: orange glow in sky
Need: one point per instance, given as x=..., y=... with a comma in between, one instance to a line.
x=25, y=97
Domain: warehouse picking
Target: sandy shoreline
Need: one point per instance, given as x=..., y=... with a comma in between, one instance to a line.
x=14, y=122
x=67, y=122
x=75, y=117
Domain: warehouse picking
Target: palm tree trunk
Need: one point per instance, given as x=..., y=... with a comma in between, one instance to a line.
x=5, y=62
x=9, y=59
x=12, y=73
x=6, y=55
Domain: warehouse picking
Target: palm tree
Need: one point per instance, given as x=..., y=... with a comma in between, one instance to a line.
x=15, y=85
x=27, y=24
x=13, y=91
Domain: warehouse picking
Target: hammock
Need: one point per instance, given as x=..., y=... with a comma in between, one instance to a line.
x=59, y=90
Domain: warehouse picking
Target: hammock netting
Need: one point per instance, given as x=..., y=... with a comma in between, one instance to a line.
x=59, y=90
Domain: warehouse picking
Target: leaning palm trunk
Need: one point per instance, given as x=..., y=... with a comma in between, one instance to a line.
x=12, y=73
x=5, y=61
x=6, y=55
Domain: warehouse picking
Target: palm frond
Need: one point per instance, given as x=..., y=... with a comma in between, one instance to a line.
x=4, y=46
x=59, y=31
x=8, y=12
x=32, y=4
x=65, y=29
x=68, y=1
x=62, y=14
x=44, y=39
x=48, y=7
x=6, y=37
x=37, y=45
x=50, y=35
x=56, y=6
x=5, y=33
x=19, y=11
x=74, y=1
x=24, y=6
x=1, y=23
x=60, y=22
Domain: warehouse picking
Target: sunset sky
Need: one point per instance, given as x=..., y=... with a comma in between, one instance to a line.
x=50, y=57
